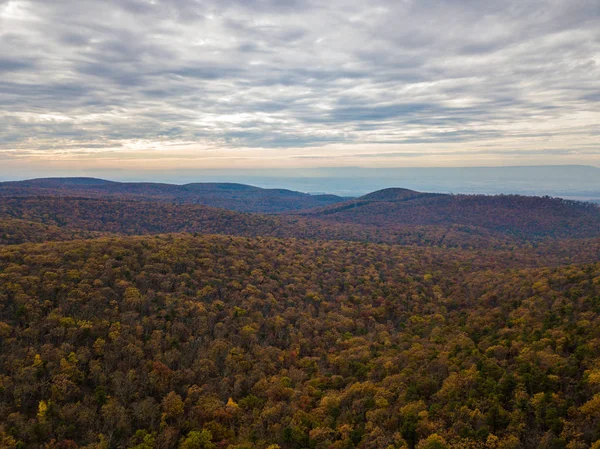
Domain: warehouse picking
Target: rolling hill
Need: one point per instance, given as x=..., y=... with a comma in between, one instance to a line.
x=239, y=197
x=387, y=210
x=520, y=216
x=77, y=217
x=40, y=219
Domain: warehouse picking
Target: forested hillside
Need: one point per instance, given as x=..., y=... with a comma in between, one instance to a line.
x=231, y=196
x=104, y=215
x=521, y=216
x=209, y=342
x=390, y=209
x=397, y=320
x=77, y=217
x=14, y=231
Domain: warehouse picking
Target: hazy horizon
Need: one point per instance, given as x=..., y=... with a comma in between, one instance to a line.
x=574, y=181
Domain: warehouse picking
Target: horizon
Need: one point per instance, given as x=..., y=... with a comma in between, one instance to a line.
x=579, y=182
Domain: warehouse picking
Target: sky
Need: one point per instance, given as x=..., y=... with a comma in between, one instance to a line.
x=260, y=84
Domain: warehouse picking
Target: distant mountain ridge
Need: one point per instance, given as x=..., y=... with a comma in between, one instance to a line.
x=392, y=194
x=140, y=208
x=517, y=215
x=232, y=196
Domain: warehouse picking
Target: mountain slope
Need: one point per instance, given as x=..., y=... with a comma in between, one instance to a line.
x=516, y=215
x=227, y=342
x=114, y=216
x=15, y=231
x=389, y=209
x=231, y=196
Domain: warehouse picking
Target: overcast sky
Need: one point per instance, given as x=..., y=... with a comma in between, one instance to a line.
x=298, y=83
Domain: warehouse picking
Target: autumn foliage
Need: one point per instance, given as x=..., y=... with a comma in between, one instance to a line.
x=291, y=332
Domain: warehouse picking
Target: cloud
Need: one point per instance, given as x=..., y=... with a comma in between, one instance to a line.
x=512, y=76
x=15, y=65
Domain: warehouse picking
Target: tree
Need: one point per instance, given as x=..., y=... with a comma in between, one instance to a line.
x=197, y=440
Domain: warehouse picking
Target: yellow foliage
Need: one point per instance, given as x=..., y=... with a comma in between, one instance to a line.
x=43, y=407
x=433, y=441
x=591, y=407
x=594, y=376
x=492, y=442
x=6, y=441
x=37, y=361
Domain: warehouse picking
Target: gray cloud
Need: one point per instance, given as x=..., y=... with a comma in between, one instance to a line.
x=15, y=65
x=298, y=73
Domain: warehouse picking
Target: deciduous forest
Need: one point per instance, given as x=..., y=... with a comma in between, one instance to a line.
x=395, y=320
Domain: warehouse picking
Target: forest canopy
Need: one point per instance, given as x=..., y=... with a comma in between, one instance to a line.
x=129, y=324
